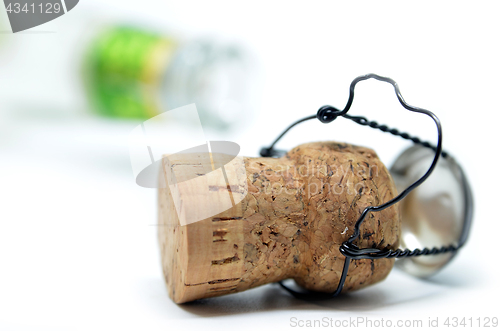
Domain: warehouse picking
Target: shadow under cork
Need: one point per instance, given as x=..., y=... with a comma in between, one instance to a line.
x=397, y=289
x=273, y=298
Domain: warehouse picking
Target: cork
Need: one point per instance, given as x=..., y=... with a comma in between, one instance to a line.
x=288, y=219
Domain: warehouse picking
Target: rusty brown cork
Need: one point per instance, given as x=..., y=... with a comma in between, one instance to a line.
x=297, y=212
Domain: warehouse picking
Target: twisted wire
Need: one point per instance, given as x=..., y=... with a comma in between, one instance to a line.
x=352, y=251
x=327, y=114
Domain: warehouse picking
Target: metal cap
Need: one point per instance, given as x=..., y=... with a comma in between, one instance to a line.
x=437, y=213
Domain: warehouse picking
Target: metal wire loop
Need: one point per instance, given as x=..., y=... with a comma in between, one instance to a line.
x=327, y=114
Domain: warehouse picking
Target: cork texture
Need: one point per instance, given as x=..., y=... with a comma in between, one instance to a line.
x=296, y=213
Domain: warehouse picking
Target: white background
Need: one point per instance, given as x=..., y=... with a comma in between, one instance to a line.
x=78, y=246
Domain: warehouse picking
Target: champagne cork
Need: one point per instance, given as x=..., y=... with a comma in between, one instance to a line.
x=287, y=219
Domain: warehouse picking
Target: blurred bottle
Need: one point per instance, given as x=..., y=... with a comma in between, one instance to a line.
x=134, y=73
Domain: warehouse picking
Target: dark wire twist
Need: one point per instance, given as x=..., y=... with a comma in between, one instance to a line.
x=328, y=114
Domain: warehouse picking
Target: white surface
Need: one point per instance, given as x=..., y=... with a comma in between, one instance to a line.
x=78, y=246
